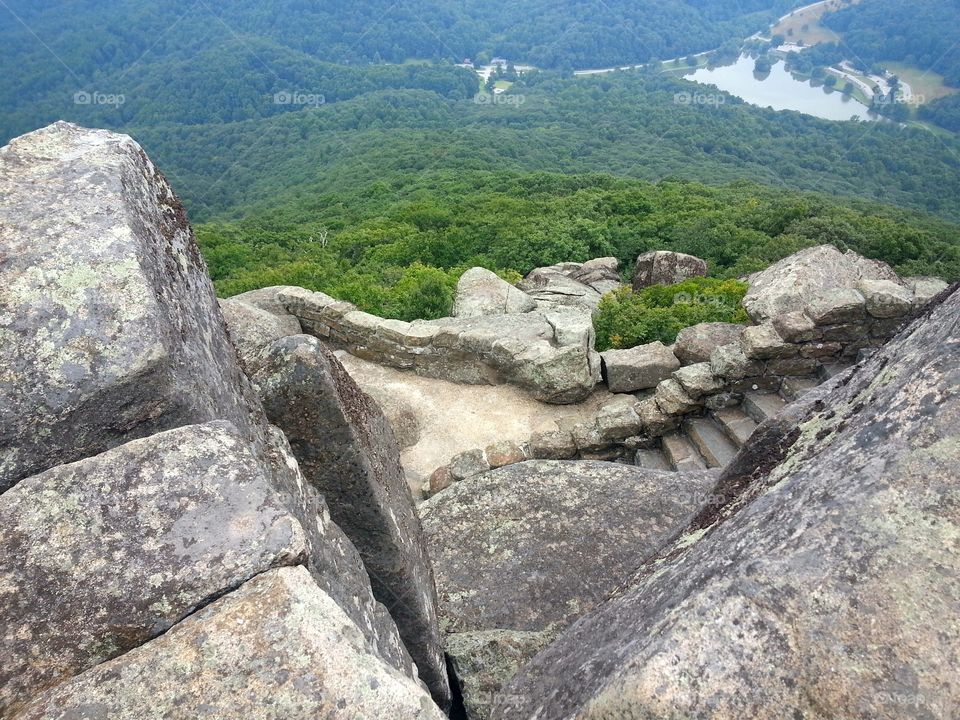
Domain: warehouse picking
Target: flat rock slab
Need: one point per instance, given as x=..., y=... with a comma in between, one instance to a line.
x=276, y=649
x=347, y=451
x=828, y=585
x=482, y=292
x=110, y=328
x=531, y=547
x=101, y=555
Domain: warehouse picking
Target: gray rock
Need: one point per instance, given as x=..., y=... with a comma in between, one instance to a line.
x=533, y=546
x=278, y=648
x=638, y=368
x=400, y=413
x=269, y=299
x=925, y=289
x=481, y=292
x=796, y=327
x=886, y=299
x=672, y=399
x=833, y=307
x=602, y=274
x=110, y=329
x=795, y=281
x=552, y=289
x=252, y=329
x=663, y=267
x=468, y=464
x=696, y=343
x=698, y=380
x=763, y=342
x=825, y=585
x=617, y=420
x=653, y=420
x=106, y=553
x=731, y=363
x=347, y=451
x=504, y=452
x=555, y=445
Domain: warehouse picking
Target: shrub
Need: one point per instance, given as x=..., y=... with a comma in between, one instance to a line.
x=627, y=318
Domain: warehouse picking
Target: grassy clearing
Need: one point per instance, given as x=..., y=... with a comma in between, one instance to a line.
x=804, y=26
x=929, y=85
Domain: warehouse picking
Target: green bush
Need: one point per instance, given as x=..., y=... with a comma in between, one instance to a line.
x=627, y=318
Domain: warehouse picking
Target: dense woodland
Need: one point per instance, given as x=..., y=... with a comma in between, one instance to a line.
x=397, y=247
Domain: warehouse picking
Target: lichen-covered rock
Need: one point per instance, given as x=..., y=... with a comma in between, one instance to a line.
x=924, y=289
x=553, y=289
x=504, y=452
x=835, y=307
x=698, y=380
x=886, y=299
x=531, y=547
x=110, y=329
x=278, y=648
x=347, y=451
x=617, y=420
x=825, y=586
x=664, y=267
x=481, y=292
x=468, y=463
x=796, y=327
x=553, y=445
x=763, y=342
x=101, y=555
x=639, y=368
x=602, y=274
x=695, y=344
x=252, y=329
x=673, y=399
x=731, y=363
x=808, y=276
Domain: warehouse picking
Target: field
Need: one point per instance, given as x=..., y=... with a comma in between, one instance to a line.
x=928, y=85
x=803, y=26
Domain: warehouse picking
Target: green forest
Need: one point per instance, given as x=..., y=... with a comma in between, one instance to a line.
x=397, y=247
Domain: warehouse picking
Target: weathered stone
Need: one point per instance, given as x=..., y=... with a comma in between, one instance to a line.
x=618, y=420
x=441, y=479
x=835, y=307
x=886, y=299
x=252, y=329
x=481, y=292
x=504, y=453
x=672, y=399
x=764, y=383
x=552, y=289
x=886, y=329
x=638, y=368
x=763, y=342
x=833, y=544
x=484, y=661
x=555, y=445
x=723, y=400
x=278, y=648
x=796, y=327
x=588, y=438
x=467, y=464
x=925, y=289
x=533, y=546
x=698, y=380
x=795, y=366
x=850, y=332
x=730, y=363
x=821, y=349
x=809, y=276
x=268, y=299
x=347, y=451
x=696, y=343
x=602, y=274
x=654, y=420
x=110, y=329
x=663, y=267
x=103, y=554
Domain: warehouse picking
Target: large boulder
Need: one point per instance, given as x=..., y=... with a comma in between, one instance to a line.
x=278, y=648
x=481, y=292
x=252, y=329
x=695, y=344
x=638, y=368
x=347, y=451
x=551, y=289
x=522, y=551
x=110, y=329
x=103, y=554
x=825, y=586
x=664, y=267
x=602, y=274
x=814, y=275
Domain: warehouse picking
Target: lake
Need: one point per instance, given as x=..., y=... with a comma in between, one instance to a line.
x=780, y=90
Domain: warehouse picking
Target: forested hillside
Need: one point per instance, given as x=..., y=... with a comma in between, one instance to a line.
x=397, y=247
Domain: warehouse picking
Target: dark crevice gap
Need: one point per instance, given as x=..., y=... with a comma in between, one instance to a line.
x=458, y=710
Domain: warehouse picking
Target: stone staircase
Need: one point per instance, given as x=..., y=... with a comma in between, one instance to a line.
x=712, y=440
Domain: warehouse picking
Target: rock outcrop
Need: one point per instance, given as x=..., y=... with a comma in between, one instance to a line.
x=481, y=292
x=347, y=451
x=639, y=368
x=115, y=358
x=664, y=267
x=826, y=586
x=277, y=649
x=549, y=354
x=522, y=551
x=577, y=286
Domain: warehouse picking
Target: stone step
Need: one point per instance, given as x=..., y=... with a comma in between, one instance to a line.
x=794, y=388
x=736, y=424
x=652, y=460
x=761, y=406
x=682, y=453
x=712, y=442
